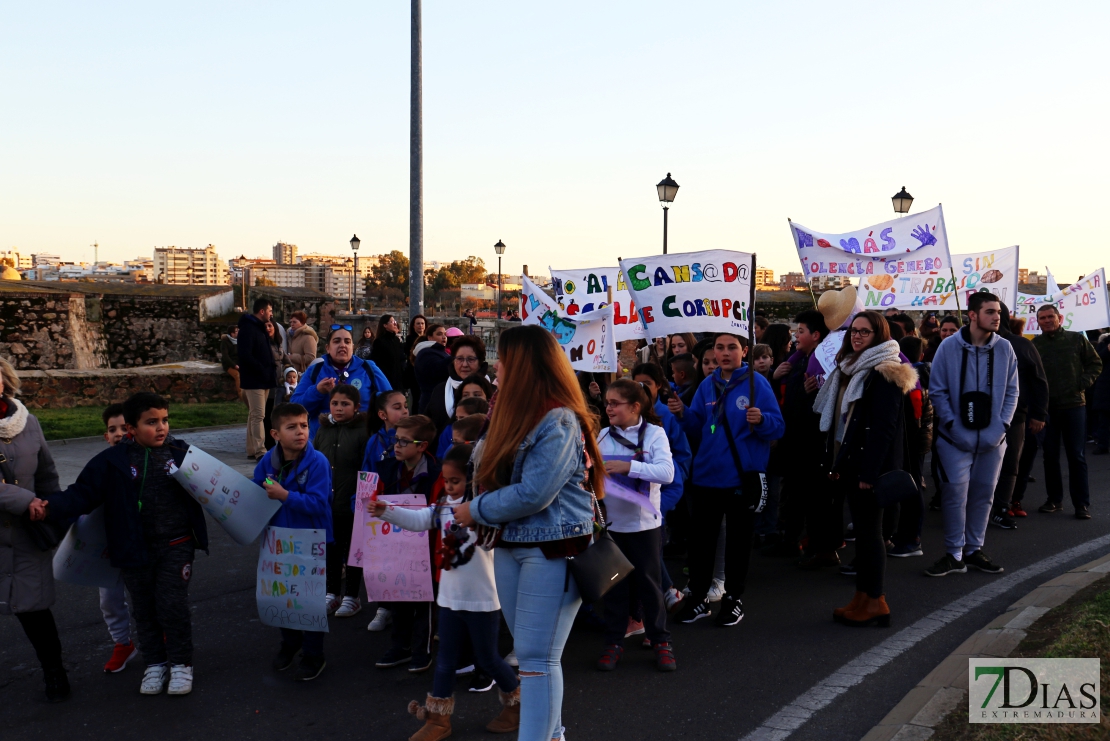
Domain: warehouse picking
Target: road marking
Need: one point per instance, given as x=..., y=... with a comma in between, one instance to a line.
x=792, y=717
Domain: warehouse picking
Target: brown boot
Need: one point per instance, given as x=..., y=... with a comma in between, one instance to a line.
x=436, y=714
x=509, y=718
x=857, y=601
x=872, y=612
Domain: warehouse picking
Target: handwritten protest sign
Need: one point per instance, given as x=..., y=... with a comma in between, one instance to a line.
x=914, y=244
x=237, y=503
x=82, y=556
x=1082, y=305
x=396, y=564
x=995, y=271
x=705, y=291
x=586, y=339
x=291, y=582
x=586, y=289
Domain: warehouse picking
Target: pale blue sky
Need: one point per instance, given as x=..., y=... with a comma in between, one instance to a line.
x=548, y=125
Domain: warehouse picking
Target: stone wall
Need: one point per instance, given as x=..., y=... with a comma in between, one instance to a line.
x=151, y=330
x=41, y=330
x=181, y=383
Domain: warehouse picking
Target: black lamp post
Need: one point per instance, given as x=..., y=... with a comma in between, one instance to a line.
x=668, y=189
x=355, y=242
x=902, y=202
x=499, y=248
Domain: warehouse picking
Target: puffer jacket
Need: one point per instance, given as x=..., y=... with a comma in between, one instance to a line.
x=343, y=444
x=303, y=347
x=26, y=573
x=1071, y=366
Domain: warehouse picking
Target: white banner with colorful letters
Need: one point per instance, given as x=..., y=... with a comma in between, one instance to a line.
x=707, y=291
x=241, y=506
x=584, y=290
x=1082, y=305
x=994, y=270
x=586, y=339
x=291, y=590
x=82, y=556
x=917, y=243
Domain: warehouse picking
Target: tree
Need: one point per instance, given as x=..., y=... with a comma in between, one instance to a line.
x=392, y=271
x=470, y=270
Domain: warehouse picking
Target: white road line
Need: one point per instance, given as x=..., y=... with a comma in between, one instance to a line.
x=792, y=717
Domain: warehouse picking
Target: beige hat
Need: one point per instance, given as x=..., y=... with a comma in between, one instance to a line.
x=837, y=306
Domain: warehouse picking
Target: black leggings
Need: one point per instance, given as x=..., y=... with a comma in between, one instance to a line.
x=342, y=579
x=867, y=517
x=42, y=631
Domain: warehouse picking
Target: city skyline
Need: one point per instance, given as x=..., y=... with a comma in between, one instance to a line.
x=213, y=125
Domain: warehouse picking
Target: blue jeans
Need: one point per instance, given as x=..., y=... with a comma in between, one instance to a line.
x=540, y=614
x=455, y=626
x=1070, y=427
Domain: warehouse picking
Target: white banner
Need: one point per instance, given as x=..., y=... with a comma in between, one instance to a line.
x=237, y=503
x=994, y=270
x=691, y=291
x=913, y=244
x=1083, y=305
x=82, y=556
x=291, y=591
x=584, y=290
x=587, y=339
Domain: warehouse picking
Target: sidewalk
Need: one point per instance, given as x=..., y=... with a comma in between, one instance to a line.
x=229, y=444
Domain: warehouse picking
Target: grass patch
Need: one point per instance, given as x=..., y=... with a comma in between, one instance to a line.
x=59, y=424
x=1079, y=628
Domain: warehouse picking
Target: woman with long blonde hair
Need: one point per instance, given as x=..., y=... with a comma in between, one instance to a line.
x=539, y=463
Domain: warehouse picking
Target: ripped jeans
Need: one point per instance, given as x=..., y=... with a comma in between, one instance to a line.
x=540, y=615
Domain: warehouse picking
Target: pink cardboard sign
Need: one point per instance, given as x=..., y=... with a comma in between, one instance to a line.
x=396, y=564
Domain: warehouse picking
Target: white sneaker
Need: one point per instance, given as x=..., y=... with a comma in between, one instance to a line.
x=672, y=598
x=181, y=680
x=332, y=602
x=716, y=591
x=350, y=607
x=511, y=659
x=383, y=618
x=154, y=679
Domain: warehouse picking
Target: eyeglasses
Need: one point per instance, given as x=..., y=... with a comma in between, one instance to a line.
x=864, y=333
x=467, y=359
x=609, y=404
x=347, y=327
x=403, y=443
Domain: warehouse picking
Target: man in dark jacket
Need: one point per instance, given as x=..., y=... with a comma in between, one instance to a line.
x=1031, y=410
x=1071, y=366
x=256, y=372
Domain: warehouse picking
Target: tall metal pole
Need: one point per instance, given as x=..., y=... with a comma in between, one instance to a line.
x=416, y=173
x=498, y=288
x=665, y=209
x=354, y=289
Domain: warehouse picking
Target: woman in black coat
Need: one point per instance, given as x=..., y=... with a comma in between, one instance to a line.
x=862, y=409
x=468, y=358
x=388, y=353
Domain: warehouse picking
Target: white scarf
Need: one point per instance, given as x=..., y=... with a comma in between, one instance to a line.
x=856, y=368
x=449, y=395
x=13, y=424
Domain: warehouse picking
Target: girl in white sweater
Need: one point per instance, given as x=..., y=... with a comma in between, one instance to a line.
x=467, y=600
x=638, y=460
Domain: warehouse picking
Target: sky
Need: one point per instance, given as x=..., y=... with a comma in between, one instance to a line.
x=547, y=126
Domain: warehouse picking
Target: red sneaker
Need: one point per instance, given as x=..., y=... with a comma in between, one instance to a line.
x=121, y=654
x=1016, y=510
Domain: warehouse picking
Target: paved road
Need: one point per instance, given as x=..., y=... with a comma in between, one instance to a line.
x=730, y=681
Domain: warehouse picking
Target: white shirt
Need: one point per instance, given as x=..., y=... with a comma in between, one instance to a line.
x=657, y=467
x=469, y=587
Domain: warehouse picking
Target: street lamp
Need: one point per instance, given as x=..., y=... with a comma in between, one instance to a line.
x=354, y=278
x=668, y=189
x=499, y=248
x=902, y=201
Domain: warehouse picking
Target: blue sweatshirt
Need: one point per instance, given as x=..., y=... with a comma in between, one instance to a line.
x=380, y=446
x=669, y=494
x=308, y=480
x=362, y=374
x=713, y=465
x=944, y=389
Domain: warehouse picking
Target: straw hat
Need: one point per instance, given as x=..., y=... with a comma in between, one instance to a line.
x=837, y=306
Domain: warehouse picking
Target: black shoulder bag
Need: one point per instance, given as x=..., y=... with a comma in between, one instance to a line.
x=601, y=566
x=975, y=406
x=753, y=484
x=45, y=535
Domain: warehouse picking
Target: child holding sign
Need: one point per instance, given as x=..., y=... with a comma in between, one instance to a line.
x=468, y=605
x=299, y=476
x=342, y=438
x=390, y=407
x=411, y=470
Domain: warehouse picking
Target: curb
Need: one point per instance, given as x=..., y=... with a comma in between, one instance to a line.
x=176, y=431
x=944, y=688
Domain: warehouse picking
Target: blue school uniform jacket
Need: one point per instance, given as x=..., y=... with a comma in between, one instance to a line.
x=713, y=465
x=362, y=374
x=308, y=480
x=669, y=494
x=379, y=448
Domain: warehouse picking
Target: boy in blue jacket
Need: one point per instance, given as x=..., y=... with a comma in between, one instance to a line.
x=731, y=427
x=299, y=477
x=153, y=528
